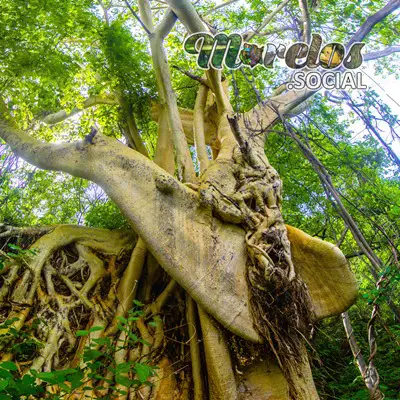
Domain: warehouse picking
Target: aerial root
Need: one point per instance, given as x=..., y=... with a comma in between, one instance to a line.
x=69, y=280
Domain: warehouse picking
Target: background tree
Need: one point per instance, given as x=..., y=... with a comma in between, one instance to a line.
x=228, y=295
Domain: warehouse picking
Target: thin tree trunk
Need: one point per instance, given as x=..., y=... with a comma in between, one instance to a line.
x=365, y=371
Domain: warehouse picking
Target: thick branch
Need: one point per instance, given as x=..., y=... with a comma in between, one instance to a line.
x=67, y=157
x=189, y=17
x=355, y=349
x=372, y=20
x=166, y=215
x=198, y=127
x=166, y=25
x=219, y=364
x=195, y=354
x=187, y=14
x=132, y=131
x=305, y=20
x=10, y=231
x=262, y=117
x=186, y=116
x=168, y=99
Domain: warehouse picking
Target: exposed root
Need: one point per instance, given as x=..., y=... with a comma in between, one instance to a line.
x=221, y=378
x=198, y=384
x=82, y=279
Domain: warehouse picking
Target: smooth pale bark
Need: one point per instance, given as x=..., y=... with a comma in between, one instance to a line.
x=198, y=127
x=221, y=379
x=264, y=380
x=62, y=115
x=166, y=93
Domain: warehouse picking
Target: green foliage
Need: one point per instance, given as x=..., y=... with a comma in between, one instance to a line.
x=21, y=343
x=105, y=215
x=15, y=254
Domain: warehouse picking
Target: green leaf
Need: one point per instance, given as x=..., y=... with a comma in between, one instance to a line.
x=96, y=328
x=3, y=384
x=12, y=255
x=5, y=374
x=122, y=319
x=123, y=380
x=143, y=371
x=90, y=355
x=47, y=376
x=103, y=341
x=76, y=379
x=123, y=367
x=14, y=247
x=9, y=366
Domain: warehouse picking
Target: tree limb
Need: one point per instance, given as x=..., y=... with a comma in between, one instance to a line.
x=147, y=30
x=62, y=115
x=306, y=20
x=67, y=157
x=372, y=20
x=189, y=17
x=355, y=349
x=10, y=231
x=167, y=23
x=274, y=31
x=249, y=35
x=219, y=6
x=198, y=127
x=167, y=96
x=132, y=131
x=326, y=180
x=105, y=12
x=195, y=351
x=192, y=76
x=187, y=14
x=381, y=53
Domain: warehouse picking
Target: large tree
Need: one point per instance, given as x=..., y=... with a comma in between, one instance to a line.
x=207, y=250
